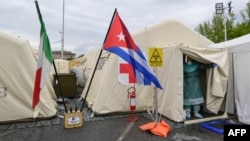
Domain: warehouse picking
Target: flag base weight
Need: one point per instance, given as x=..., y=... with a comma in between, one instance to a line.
x=73, y=120
x=160, y=129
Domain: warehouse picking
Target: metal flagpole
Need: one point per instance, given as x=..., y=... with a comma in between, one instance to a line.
x=60, y=87
x=100, y=53
x=225, y=26
x=156, y=100
x=62, y=47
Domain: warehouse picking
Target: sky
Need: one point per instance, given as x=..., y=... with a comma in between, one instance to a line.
x=86, y=21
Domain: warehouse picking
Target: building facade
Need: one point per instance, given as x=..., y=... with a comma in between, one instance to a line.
x=67, y=55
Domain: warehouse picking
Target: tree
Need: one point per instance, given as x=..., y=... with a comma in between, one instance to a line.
x=245, y=25
x=214, y=30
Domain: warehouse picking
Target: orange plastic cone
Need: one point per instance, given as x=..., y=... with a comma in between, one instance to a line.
x=161, y=129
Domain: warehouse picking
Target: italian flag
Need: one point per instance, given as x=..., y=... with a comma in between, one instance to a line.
x=45, y=59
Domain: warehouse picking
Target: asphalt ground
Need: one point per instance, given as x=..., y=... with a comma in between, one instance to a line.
x=110, y=128
x=117, y=129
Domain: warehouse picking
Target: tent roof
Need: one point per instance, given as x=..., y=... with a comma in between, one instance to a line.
x=240, y=44
x=169, y=32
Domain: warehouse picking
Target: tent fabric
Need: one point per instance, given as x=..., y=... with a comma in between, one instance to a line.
x=217, y=77
x=238, y=80
x=88, y=61
x=62, y=66
x=17, y=79
x=237, y=45
x=169, y=32
x=106, y=95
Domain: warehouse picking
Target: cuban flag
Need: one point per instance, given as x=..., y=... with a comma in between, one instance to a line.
x=120, y=42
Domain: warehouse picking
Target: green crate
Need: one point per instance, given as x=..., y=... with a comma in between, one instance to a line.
x=68, y=84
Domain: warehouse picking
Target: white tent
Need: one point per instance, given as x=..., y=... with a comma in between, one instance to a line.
x=168, y=32
x=62, y=66
x=18, y=66
x=106, y=95
x=239, y=78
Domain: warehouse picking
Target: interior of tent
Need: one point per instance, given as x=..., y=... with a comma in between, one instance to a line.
x=18, y=66
x=238, y=80
x=104, y=94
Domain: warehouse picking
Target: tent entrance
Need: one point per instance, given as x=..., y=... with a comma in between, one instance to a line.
x=207, y=115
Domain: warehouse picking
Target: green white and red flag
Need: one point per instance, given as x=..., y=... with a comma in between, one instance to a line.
x=45, y=60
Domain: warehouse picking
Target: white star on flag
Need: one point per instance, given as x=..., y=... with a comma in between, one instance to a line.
x=121, y=36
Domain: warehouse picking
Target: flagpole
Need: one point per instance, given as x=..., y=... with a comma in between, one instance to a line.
x=100, y=53
x=59, y=84
x=62, y=48
x=42, y=24
x=156, y=100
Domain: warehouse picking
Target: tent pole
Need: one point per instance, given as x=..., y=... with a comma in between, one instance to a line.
x=233, y=82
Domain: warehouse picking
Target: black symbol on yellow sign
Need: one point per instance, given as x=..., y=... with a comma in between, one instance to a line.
x=155, y=57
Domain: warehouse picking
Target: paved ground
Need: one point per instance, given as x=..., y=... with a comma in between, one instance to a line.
x=109, y=129
x=117, y=129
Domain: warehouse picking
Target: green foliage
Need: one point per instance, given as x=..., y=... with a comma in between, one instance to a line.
x=214, y=30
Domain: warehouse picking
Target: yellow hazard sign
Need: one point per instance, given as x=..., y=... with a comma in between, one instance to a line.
x=155, y=56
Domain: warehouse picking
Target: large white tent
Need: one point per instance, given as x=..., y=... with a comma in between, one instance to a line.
x=168, y=32
x=106, y=95
x=18, y=66
x=239, y=78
